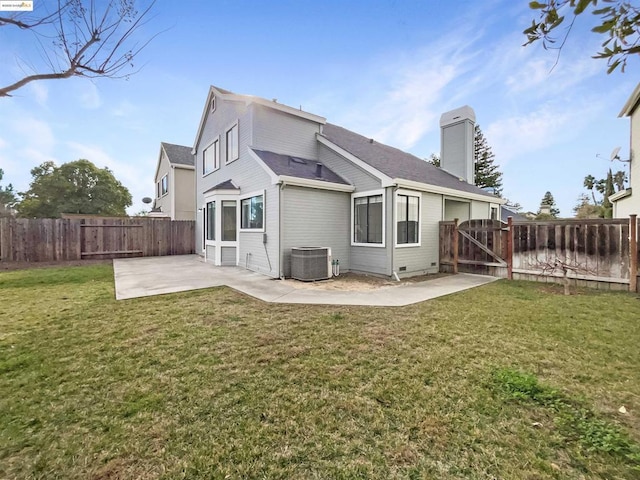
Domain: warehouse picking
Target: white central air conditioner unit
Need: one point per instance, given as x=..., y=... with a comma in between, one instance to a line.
x=310, y=263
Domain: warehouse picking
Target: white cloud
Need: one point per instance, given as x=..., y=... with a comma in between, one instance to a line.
x=89, y=96
x=40, y=93
x=549, y=125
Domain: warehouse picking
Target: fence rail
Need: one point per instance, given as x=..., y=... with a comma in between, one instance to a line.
x=65, y=239
x=604, y=252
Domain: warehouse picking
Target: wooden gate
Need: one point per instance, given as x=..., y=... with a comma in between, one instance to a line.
x=476, y=246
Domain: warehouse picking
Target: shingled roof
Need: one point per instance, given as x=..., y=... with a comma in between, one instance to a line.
x=298, y=167
x=394, y=162
x=178, y=154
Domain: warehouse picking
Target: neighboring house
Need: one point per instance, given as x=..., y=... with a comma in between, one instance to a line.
x=175, y=183
x=506, y=212
x=271, y=177
x=626, y=202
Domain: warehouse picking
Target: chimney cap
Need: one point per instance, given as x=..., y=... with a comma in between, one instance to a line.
x=457, y=115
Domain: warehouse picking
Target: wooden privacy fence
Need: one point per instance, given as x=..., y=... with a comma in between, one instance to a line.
x=604, y=252
x=57, y=239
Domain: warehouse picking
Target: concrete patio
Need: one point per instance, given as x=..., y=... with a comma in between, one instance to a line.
x=143, y=277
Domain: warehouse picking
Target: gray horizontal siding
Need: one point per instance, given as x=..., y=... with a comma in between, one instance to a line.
x=280, y=132
x=254, y=254
x=355, y=175
x=315, y=218
x=419, y=260
x=228, y=256
x=376, y=260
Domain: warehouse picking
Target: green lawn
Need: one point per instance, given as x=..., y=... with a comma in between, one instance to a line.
x=509, y=381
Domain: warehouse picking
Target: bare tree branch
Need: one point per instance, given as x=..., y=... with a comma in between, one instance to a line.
x=89, y=41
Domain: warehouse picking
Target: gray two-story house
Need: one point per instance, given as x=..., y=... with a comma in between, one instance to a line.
x=270, y=178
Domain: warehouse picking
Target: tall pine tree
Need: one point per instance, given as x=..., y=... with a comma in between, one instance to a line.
x=486, y=171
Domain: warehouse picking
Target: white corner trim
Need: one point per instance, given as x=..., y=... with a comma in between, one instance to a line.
x=386, y=180
x=425, y=187
x=309, y=183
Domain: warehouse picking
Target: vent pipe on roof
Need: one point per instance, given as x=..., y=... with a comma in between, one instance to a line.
x=457, y=131
x=319, y=170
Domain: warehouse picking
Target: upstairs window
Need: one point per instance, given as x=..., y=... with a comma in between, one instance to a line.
x=408, y=225
x=164, y=185
x=232, y=144
x=252, y=213
x=211, y=158
x=367, y=219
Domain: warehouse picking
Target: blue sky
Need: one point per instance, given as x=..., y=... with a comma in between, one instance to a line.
x=386, y=69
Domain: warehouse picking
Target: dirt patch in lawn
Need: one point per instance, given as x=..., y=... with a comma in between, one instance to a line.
x=354, y=282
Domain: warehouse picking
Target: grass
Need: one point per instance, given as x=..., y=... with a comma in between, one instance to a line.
x=510, y=381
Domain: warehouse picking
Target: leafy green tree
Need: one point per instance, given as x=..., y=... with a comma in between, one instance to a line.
x=590, y=183
x=434, y=159
x=8, y=197
x=585, y=209
x=486, y=171
x=549, y=201
x=74, y=187
x=618, y=21
x=619, y=179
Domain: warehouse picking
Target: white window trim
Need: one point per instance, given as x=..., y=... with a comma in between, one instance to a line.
x=166, y=175
x=408, y=193
x=217, y=244
x=213, y=103
x=257, y=193
x=370, y=193
x=217, y=139
x=226, y=145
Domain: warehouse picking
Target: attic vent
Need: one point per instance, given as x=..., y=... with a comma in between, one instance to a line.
x=212, y=106
x=298, y=160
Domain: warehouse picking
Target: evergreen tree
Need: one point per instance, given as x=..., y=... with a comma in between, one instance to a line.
x=7, y=197
x=550, y=202
x=608, y=190
x=486, y=171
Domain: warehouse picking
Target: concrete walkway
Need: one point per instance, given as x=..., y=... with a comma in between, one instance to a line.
x=142, y=277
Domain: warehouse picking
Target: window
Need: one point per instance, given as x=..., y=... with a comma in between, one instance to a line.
x=232, y=144
x=211, y=221
x=252, y=213
x=228, y=220
x=213, y=104
x=408, y=224
x=367, y=219
x=494, y=213
x=211, y=158
x=164, y=185
x=158, y=190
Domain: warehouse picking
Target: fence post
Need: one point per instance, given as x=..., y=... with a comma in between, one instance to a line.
x=633, y=253
x=510, y=248
x=455, y=245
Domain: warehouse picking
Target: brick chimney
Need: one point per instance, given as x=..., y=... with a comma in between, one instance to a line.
x=457, y=131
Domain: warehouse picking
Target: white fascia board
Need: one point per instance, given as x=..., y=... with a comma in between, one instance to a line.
x=425, y=187
x=271, y=173
x=305, y=182
x=384, y=179
x=631, y=103
x=155, y=177
x=248, y=99
x=619, y=195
